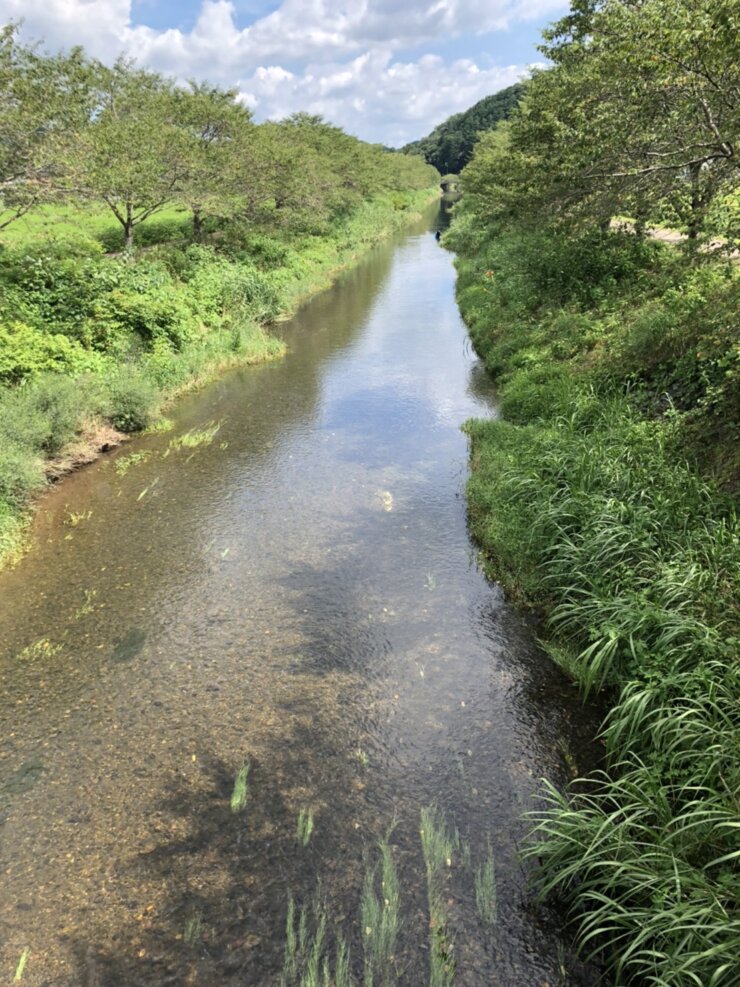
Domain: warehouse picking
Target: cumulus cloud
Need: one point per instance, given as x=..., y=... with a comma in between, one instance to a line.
x=387, y=101
x=324, y=56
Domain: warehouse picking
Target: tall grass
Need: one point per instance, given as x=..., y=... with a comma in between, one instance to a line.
x=590, y=504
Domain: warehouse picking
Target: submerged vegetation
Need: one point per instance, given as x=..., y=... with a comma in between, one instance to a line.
x=604, y=498
x=188, y=230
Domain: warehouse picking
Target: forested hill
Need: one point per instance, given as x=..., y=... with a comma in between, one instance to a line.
x=449, y=147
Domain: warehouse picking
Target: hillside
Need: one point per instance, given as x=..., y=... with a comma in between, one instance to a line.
x=449, y=147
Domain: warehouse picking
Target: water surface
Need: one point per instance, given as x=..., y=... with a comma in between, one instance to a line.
x=299, y=594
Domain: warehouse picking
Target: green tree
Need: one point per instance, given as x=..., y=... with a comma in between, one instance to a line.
x=43, y=102
x=640, y=113
x=218, y=137
x=133, y=156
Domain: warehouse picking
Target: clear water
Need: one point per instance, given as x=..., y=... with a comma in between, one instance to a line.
x=301, y=594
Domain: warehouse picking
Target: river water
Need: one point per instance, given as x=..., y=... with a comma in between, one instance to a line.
x=300, y=595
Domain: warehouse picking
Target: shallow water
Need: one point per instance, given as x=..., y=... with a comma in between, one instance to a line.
x=300, y=594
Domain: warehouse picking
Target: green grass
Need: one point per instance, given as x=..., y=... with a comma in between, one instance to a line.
x=486, y=899
x=72, y=223
x=196, y=437
x=309, y=960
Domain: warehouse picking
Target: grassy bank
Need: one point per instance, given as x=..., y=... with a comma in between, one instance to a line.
x=604, y=498
x=92, y=342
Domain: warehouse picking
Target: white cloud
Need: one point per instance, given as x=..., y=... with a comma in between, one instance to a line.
x=398, y=101
x=318, y=55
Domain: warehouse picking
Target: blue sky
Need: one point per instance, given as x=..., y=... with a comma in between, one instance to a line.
x=385, y=70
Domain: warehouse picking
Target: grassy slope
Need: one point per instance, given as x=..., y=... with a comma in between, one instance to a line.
x=128, y=338
x=602, y=499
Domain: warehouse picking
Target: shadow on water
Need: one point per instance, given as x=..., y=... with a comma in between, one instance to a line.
x=299, y=595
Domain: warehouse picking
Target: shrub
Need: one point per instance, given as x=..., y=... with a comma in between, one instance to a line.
x=21, y=472
x=133, y=401
x=26, y=352
x=45, y=414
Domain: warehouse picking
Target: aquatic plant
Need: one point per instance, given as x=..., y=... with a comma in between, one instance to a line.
x=39, y=650
x=304, y=827
x=438, y=848
x=196, y=436
x=379, y=916
x=240, y=794
x=74, y=518
x=485, y=889
x=124, y=463
x=22, y=962
x=308, y=960
x=192, y=931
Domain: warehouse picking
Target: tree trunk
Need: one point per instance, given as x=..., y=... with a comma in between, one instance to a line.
x=697, y=203
x=128, y=230
x=197, y=224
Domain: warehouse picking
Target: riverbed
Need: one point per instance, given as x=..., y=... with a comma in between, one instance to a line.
x=281, y=585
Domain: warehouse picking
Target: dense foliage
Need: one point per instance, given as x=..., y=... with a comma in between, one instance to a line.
x=235, y=223
x=604, y=496
x=450, y=145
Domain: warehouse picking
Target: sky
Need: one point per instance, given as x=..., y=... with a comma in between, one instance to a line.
x=387, y=71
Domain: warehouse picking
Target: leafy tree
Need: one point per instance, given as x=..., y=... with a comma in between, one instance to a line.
x=218, y=133
x=43, y=101
x=133, y=156
x=641, y=112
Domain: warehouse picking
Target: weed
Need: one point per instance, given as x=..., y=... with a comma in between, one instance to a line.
x=77, y=517
x=240, y=794
x=308, y=959
x=192, y=932
x=124, y=463
x=19, y=970
x=88, y=606
x=159, y=427
x=196, y=437
x=42, y=649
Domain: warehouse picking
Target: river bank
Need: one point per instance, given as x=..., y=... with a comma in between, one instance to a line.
x=127, y=339
x=603, y=499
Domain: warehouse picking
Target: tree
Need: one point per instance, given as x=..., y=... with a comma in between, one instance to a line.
x=133, y=156
x=641, y=111
x=43, y=102
x=218, y=135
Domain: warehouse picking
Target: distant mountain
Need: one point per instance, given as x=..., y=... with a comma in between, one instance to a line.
x=449, y=147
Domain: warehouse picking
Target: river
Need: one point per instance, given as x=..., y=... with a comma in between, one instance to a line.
x=300, y=595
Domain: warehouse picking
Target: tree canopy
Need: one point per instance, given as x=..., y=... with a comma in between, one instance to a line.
x=639, y=114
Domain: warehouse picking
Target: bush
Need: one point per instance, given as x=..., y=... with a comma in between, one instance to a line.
x=26, y=352
x=45, y=414
x=132, y=401
x=21, y=473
